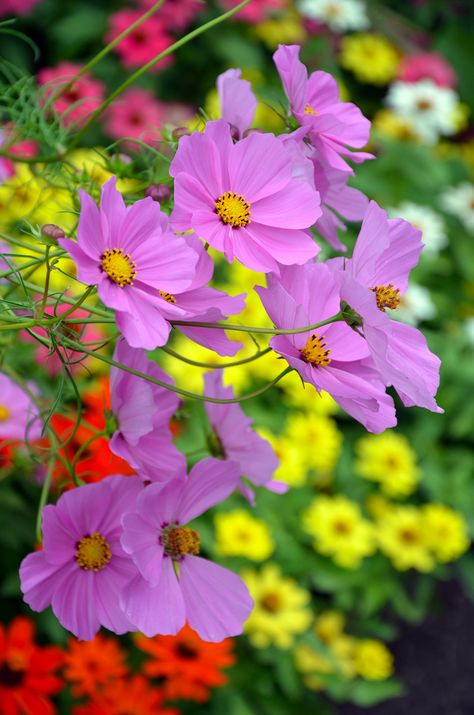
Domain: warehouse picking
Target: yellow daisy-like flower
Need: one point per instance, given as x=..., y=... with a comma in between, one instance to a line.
x=339, y=530
x=371, y=57
x=403, y=538
x=446, y=532
x=281, y=608
x=342, y=649
x=390, y=125
x=287, y=29
x=388, y=459
x=329, y=626
x=312, y=665
x=319, y=437
x=293, y=468
x=306, y=397
x=373, y=660
x=238, y=533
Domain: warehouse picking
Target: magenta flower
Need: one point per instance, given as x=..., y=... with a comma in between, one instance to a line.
x=143, y=43
x=243, y=199
x=143, y=412
x=137, y=115
x=83, y=97
x=17, y=7
x=334, y=125
x=175, y=584
x=238, y=102
x=334, y=358
x=19, y=416
x=82, y=567
x=427, y=65
x=176, y=14
x=133, y=258
x=374, y=280
x=256, y=11
x=234, y=439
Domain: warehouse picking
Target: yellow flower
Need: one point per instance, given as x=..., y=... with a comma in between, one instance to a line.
x=240, y=534
x=388, y=459
x=402, y=537
x=292, y=468
x=281, y=608
x=373, y=660
x=287, y=30
x=318, y=437
x=446, y=532
x=306, y=397
x=329, y=626
x=339, y=530
x=312, y=665
x=342, y=649
x=377, y=505
x=371, y=57
x=390, y=125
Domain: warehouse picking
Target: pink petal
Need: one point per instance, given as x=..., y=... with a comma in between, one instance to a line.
x=140, y=540
x=210, y=481
x=259, y=166
x=295, y=206
x=89, y=231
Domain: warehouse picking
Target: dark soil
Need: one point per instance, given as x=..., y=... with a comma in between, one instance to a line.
x=435, y=660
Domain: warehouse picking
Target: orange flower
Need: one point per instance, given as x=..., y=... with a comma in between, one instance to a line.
x=93, y=665
x=130, y=696
x=189, y=665
x=27, y=671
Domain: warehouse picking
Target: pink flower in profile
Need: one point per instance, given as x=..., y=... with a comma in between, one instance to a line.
x=176, y=14
x=427, y=65
x=19, y=416
x=82, y=567
x=335, y=127
x=333, y=358
x=238, y=102
x=143, y=44
x=243, y=199
x=143, y=412
x=234, y=439
x=256, y=11
x=175, y=585
x=137, y=115
x=375, y=279
x=132, y=258
x=17, y=7
x=83, y=98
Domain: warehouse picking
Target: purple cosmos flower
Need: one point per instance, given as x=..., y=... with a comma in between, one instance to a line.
x=233, y=438
x=82, y=567
x=143, y=412
x=334, y=125
x=132, y=258
x=375, y=279
x=238, y=102
x=175, y=584
x=333, y=358
x=243, y=198
x=19, y=416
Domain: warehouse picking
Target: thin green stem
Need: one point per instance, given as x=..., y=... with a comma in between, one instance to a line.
x=44, y=497
x=85, y=445
x=46, y=283
x=262, y=331
x=196, y=363
x=28, y=264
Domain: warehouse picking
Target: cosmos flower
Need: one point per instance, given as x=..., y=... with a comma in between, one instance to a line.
x=137, y=115
x=19, y=416
x=143, y=44
x=243, y=199
x=174, y=584
x=237, y=101
x=80, y=100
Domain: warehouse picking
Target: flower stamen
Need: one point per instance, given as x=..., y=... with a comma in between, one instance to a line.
x=4, y=413
x=119, y=266
x=233, y=209
x=315, y=351
x=309, y=110
x=167, y=296
x=178, y=541
x=387, y=297
x=93, y=552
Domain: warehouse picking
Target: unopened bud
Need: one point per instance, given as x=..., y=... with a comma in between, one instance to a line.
x=52, y=231
x=158, y=192
x=180, y=132
x=234, y=133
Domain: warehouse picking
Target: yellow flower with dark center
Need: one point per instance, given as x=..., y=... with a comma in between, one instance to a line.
x=371, y=57
x=373, y=660
x=402, y=537
x=238, y=533
x=446, y=532
x=329, y=626
x=318, y=438
x=389, y=460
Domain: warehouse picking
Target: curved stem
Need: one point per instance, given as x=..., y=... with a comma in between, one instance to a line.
x=262, y=331
x=44, y=497
x=196, y=363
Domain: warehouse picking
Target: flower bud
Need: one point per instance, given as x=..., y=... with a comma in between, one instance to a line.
x=158, y=192
x=180, y=132
x=52, y=231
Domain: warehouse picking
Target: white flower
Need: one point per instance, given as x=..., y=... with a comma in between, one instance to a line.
x=430, y=109
x=415, y=306
x=459, y=200
x=338, y=15
x=428, y=221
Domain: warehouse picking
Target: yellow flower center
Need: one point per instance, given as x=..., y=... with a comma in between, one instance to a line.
x=4, y=413
x=119, y=266
x=271, y=602
x=409, y=536
x=93, y=552
x=315, y=351
x=387, y=297
x=167, y=296
x=343, y=528
x=309, y=110
x=233, y=209
x=180, y=540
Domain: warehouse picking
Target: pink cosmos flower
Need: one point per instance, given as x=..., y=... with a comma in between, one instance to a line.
x=333, y=125
x=237, y=101
x=427, y=65
x=175, y=584
x=19, y=416
x=256, y=11
x=143, y=412
x=243, y=199
x=144, y=43
x=83, y=98
x=176, y=14
x=233, y=438
x=82, y=567
x=136, y=114
x=132, y=257
x=375, y=279
x=334, y=358
x=17, y=7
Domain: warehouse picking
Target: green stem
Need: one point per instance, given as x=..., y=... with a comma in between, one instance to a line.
x=46, y=283
x=33, y=262
x=262, y=331
x=44, y=497
x=84, y=446
x=196, y=363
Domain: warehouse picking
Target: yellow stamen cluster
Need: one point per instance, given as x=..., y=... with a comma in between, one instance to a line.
x=387, y=297
x=93, y=552
x=309, y=110
x=167, y=296
x=271, y=602
x=315, y=351
x=119, y=266
x=233, y=209
x=180, y=540
x=4, y=413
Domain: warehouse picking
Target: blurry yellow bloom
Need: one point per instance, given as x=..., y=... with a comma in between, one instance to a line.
x=305, y=396
x=343, y=650
x=390, y=125
x=312, y=665
x=293, y=467
x=402, y=537
x=339, y=530
x=240, y=534
x=287, y=29
x=373, y=660
x=281, y=608
x=20, y=195
x=388, y=459
x=462, y=117
x=446, y=532
x=329, y=626
x=371, y=57
x=318, y=437
x=377, y=505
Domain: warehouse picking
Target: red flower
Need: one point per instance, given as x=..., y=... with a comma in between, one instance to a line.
x=93, y=666
x=80, y=100
x=141, y=45
x=133, y=696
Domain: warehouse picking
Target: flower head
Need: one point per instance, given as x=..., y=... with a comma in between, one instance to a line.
x=176, y=14
x=133, y=696
x=371, y=57
x=256, y=11
x=388, y=459
x=17, y=7
x=430, y=109
x=143, y=43
x=90, y=666
x=459, y=201
x=237, y=101
x=446, y=532
x=80, y=100
x=19, y=416
x=427, y=65
x=138, y=115
x=403, y=537
x=238, y=533
x=338, y=15
x=373, y=660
